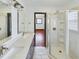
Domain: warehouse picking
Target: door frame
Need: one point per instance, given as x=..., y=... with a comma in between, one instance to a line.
x=45, y=16
x=9, y=25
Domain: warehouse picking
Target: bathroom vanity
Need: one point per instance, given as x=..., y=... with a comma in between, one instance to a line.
x=19, y=49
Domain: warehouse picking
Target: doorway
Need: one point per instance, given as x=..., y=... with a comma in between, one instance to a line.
x=9, y=27
x=40, y=29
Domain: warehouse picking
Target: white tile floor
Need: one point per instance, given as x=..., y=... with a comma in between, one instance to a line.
x=40, y=53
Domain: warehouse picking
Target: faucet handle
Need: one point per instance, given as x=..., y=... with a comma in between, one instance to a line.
x=1, y=51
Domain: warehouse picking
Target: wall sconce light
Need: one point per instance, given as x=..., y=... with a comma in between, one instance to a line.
x=17, y=5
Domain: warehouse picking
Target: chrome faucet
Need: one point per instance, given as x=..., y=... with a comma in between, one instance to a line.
x=3, y=50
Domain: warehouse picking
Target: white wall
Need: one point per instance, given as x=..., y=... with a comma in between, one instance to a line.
x=74, y=44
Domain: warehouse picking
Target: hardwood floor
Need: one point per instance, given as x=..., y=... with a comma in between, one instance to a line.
x=40, y=37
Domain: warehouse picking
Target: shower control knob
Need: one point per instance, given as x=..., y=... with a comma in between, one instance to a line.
x=54, y=28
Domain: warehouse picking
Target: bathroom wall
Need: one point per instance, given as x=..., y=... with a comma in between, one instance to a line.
x=52, y=33
x=29, y=25
x=61, y=24
x=74, y=44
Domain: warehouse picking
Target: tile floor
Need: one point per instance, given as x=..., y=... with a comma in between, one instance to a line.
x=40, y=53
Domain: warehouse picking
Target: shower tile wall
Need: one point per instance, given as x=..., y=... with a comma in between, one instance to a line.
x=58, y=49
x=61, y=29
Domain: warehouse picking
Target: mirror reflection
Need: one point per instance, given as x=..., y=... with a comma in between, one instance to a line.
x=5, y=25
x=11, y=24
x=5, y=21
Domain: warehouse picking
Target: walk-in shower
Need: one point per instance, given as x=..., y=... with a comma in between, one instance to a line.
x=57, y=38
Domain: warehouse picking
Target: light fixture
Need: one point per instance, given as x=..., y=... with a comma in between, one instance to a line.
x=17, y=5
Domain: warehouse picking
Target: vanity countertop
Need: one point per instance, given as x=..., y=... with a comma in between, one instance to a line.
x=20, y=48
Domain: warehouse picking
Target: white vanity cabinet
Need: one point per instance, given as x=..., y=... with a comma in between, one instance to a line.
x=19, y=47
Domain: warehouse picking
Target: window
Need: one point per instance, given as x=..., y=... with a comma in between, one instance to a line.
x=39, y=21
x=73, y=20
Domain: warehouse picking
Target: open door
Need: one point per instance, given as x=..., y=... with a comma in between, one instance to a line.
x=40, y=28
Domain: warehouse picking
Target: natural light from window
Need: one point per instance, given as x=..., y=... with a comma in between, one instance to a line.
x=73, y=20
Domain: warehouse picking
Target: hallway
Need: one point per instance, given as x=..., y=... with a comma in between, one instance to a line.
x=40, y=53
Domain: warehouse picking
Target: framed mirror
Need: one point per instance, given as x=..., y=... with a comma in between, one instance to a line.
x=5, y=21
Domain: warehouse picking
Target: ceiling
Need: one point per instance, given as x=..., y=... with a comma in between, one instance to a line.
x=52, y=3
